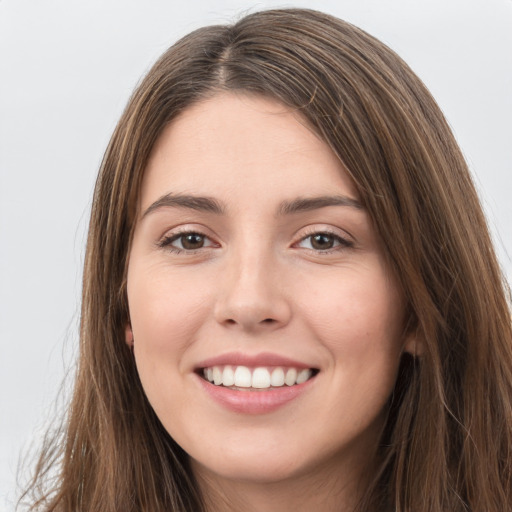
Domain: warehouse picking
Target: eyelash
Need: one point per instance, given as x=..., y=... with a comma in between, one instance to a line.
x=167, y=241
x=343, y=243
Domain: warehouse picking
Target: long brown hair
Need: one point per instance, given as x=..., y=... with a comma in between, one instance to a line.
x=447, y=444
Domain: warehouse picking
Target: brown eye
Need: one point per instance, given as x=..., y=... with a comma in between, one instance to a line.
x=191, y=241
x=182, y=242
x=322, y=241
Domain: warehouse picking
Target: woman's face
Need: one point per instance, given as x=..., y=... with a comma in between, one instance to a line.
x=254, y=266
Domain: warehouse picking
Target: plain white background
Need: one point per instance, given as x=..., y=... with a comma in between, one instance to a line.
x=67, y=68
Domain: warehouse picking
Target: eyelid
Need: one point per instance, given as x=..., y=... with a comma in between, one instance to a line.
x=170, y=235
x=346, y=241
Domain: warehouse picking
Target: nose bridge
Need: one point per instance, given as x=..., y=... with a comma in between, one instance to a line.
x=252, y=295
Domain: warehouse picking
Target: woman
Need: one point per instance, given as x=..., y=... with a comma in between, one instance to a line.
x=290, y=295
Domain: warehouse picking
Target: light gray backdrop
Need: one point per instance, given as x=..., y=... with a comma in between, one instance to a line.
x=67, y=68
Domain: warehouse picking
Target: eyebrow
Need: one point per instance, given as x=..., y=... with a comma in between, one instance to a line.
x=203, y=204
x=304, y=204
x=211, y=205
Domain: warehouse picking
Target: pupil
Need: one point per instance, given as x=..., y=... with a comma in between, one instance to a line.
x=192, y=241
x=322, y=241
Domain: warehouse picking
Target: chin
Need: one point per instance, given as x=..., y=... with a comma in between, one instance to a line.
x=263, y=470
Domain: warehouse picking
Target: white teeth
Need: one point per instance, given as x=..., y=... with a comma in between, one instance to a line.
x=243, y=377
x=260, y=378
x=256, y=378
x=291, y=377
x=277, y=378
x=217, y=376
x=303, y=376
x=228, y=376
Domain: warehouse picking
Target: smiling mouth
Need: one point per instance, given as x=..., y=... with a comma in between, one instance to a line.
x=245, y=378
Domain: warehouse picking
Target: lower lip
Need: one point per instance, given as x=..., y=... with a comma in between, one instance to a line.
x=254, y=402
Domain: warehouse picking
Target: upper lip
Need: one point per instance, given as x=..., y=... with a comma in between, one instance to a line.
x=256, y=360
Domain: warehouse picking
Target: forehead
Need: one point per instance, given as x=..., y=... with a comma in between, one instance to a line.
x=238, y=144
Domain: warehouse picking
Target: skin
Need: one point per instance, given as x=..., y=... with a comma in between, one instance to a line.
x=259, y=284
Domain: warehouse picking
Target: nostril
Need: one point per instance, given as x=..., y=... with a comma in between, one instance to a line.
x=268, y=320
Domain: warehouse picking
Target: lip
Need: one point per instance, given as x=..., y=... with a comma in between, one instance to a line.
x=253, y=402
x=262, y=359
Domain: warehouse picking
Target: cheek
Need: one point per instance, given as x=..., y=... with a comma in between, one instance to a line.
x=166, y=310
x=359, y=315
x=360, y=323
x=166, y=313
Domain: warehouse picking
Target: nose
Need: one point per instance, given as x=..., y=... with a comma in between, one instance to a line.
x=252, y=295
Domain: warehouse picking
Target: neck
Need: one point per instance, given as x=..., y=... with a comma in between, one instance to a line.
x=329, y=490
